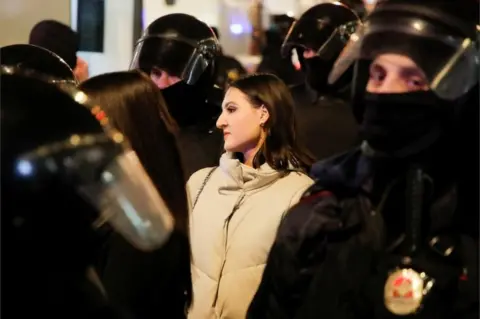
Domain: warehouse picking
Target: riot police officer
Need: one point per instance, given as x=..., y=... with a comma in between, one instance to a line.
x=272, y=59
x=39, y=59
x=390, y=229
x=64, y=172
x=227, y=68
x=178, y=52
x=60, y=39
x=325, y=120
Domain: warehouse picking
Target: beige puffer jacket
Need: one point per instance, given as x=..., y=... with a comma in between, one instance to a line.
x=232, y=228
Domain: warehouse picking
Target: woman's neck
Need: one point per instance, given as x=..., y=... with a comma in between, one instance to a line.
x=249, y=155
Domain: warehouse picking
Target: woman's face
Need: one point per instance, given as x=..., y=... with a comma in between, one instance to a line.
x=241, y=122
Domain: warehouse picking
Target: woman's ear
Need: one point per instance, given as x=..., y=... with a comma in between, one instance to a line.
x=264, y=115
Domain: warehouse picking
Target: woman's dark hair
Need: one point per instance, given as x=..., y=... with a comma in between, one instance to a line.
x=135, y=106
x=281, y=147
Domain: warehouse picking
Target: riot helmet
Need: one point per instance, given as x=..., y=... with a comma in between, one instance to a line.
x=416, y=65
x=440, y=37
x=39, y=59
x=65, y=171
x=322, y=30
x=179, y=44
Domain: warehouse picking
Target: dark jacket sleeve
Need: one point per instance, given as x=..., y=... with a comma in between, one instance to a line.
x=146, y=285
x=293, y=259
x=270, y=299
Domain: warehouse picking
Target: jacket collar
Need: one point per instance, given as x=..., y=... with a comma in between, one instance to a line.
x=243, y=177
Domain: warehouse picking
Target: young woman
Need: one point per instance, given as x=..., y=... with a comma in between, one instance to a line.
x=156, y=284
x=237, y=207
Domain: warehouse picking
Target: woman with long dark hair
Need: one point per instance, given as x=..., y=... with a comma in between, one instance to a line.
x=237, y=206
x=155, y=284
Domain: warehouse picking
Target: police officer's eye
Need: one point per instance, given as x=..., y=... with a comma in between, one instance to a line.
x=377, y=73
x=156, y=72
x=417, y=83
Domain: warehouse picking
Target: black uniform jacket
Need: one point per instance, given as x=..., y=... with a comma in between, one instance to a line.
x=333, y=252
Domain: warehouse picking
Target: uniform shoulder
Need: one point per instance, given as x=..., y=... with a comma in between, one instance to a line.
x=317, y=211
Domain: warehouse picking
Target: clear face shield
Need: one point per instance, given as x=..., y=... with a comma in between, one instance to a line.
x=449, y=78
x=13, y=69
x=43, y=61
x=111, y=179
x=325, y=47
x=158, y=51
x=128, y=200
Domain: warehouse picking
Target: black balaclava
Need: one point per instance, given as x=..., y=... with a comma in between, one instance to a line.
x=190, y=104
x=404, y=124
x=316, y=73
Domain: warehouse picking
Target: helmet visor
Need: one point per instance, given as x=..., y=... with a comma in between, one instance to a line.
x=327, y=42
x=128, y=200
x=174, y=54
x=111, y=180
x=200, y=59
x=449, y=63
x=43, y=61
